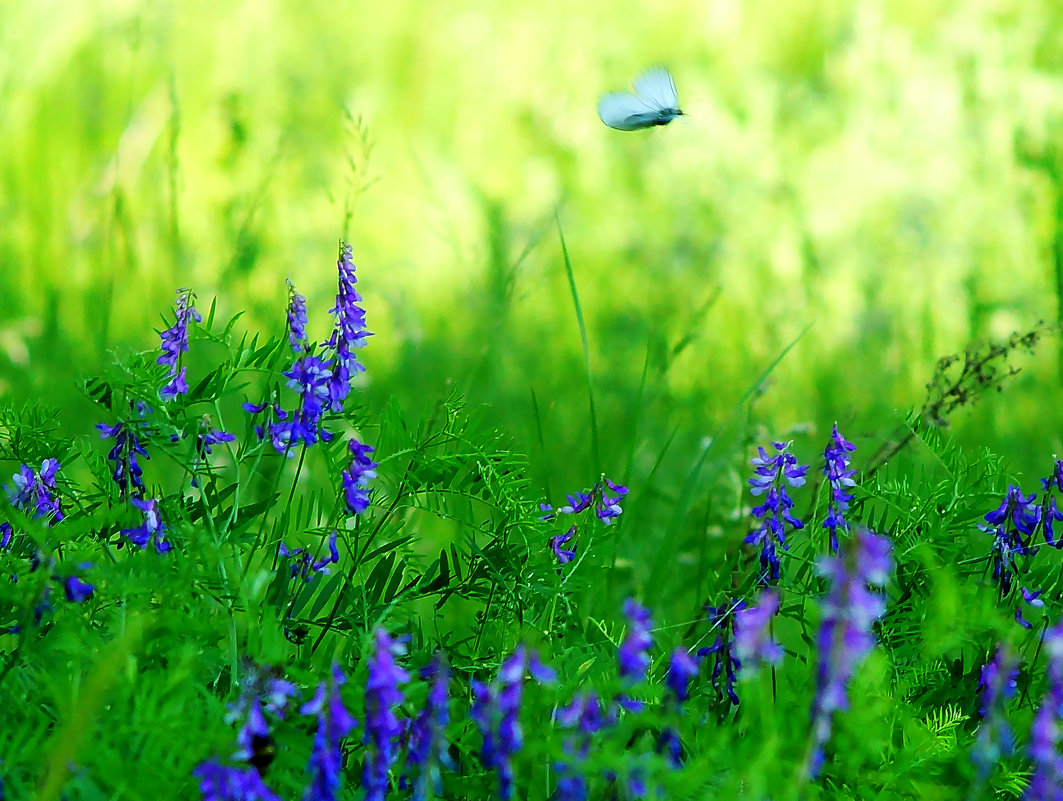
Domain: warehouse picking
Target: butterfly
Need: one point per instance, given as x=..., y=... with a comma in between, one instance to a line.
x=655, y=102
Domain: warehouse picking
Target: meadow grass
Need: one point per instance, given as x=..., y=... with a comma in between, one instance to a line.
x=859, y=223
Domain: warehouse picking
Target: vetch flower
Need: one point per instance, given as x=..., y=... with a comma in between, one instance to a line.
x=725, y=661
x=37, y=490
x=175, y=342
x=151, y=530
x=845, y=636
x=1045, y=732
x=604, y=497
x=681, y=669
x=427, y=737
x=127, y=471
x=356, y=477
x=633, y=655
x=1033, y=599
x=1012, y=524
x=753, y=643
x=564, y=556
x=334, y=723
x=309, y=377
x=382, y=726
x=262, y=692
x=349, y=334
x=998, y=683
x=296, y=320
x=840, y=477
x=303, y=562
x=771, y=475
x=225, y=783
x=206, y=439
x=496, y=711
x=585, y=716
x=77, y=590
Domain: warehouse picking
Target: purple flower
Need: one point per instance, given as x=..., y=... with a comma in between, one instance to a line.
x=725, y=660
x=6, y=533
x=261, y=692
x=1012, y=524
x=840, y=477
x=356, y=477
x=309, y=377
x=37, y=490
x=496, y=711
x=175, y=342
x=633, y=655
x=382, y=727
x=752, y=632
x=296, y=320
x=206, y=439
x=303, y=562
x=349, y=334
x=151, y=530
x=681, y=669
x=845, y=637
x=334, y=723
x=1047, y=780
x=998, y=683
x=563, y=555
x=127, y=471
x=771, y=474
x=427, y=743
x=223, y=783
x=77, y=590
x=605, y=497
x=586, y=716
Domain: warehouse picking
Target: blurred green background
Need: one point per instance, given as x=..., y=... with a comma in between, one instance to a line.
x=882, y=176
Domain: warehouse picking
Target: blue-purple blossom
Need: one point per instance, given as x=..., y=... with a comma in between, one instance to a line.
x=605, y=497
x=564, y=555
x=681, y=669
x=334, y=723
x=725, y=661
x=175, y=342
x=382, y=726
x=1031, y=598
x=753, y=643
x=225, y=783
x=1050, y=512
x=296, y=320
x=303, y=562
x=356, y=477
x=309, y=377
x=77, y=590
x=771, y=475
x=840, y=478
x=585, y=715
x=845, y=637
x=151, y=530
x=206, y=439
x=127, y=471
x=6, y=533
x=1047, y=781
x=427, y=734
x=1012, y=524
x=349, y=334
x=261, y=692
x=496, y=711
x=998, y=682
x=633, y=655
x=37, y=490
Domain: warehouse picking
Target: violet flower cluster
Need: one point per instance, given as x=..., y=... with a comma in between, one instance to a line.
x=723, y=651
x=753, y=643
x=682, y=668
x=1013, y=525
x=771, y=475
x=382, y=726
x=151, y=530
x=496, y=711
x=175, y=342
x=334, y=723
x=356, y=477
x=349, y=333
x=633, y=655
x=839, y=476
x=303, y=562
x=37, y=491
x=583, y=716
x=127, y=472
x=1045, y=733
x=997, y=684
x=426, y=737
x=845, y=635
x=604, y=497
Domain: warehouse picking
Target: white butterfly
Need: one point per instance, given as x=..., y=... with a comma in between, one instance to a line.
x=655, y=102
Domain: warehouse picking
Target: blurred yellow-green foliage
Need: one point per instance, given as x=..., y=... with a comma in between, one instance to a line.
x=883, y=174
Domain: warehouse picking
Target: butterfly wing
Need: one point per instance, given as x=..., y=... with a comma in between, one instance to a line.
x=626, y=112
x=656, y=87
